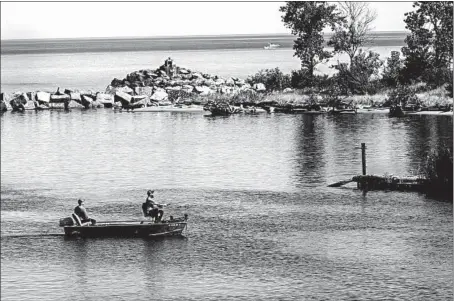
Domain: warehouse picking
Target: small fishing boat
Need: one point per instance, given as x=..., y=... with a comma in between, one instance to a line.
x=179, y=109
x=271, y=46
x=146, y=228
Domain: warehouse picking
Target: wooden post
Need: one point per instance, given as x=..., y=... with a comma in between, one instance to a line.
x=363, y=153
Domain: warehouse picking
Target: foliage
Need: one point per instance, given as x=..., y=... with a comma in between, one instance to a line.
x=429, y=48
x=356, y=78
x=353, y=31
x=300, y=79
x=307, y=21
x=332, y=97
x=437, y=169
x=392, y=72
x=273, y=79
x=402, y=95
x=436, y=77
x=449, y=86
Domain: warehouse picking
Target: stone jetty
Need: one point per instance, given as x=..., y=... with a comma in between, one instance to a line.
x=168, y=84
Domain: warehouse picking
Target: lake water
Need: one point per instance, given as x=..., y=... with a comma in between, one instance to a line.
x=263, y=223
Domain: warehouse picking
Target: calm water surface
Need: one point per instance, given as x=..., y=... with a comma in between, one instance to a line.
x=263, y=223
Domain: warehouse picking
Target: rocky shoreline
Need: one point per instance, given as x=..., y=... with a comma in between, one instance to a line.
x=171, y=86
x=166, y=85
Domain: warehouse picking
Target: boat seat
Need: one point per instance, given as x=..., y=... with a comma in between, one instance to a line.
x=77, y=220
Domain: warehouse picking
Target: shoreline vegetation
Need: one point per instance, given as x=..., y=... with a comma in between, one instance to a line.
x=170, y=86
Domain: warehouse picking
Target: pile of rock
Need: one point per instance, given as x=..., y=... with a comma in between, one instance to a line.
x=169, y=84
x=173, y=84
x=41, y=100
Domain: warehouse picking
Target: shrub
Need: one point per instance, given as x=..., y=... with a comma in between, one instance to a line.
x=273, y=79
x=402, y=95
x=436, y=77
x=300, y=79
x=356, y=77
x=437, y=169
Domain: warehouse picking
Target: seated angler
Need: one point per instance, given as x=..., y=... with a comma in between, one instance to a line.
x=81, y=212
x=152, y=209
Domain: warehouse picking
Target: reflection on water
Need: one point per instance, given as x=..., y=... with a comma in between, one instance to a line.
x=263, y=223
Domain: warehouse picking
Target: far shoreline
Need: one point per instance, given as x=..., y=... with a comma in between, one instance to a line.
x=180, y=43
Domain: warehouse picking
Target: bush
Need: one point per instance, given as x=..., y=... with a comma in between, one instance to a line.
x=356, y=77
x=437, y=169
x=437, y=77
x=301, y=79
x=402, y=95
x=273, y=79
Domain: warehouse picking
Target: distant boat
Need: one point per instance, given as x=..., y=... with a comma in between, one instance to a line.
x=271, y=46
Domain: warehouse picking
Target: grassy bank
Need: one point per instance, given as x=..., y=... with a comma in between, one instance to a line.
x=430, y=99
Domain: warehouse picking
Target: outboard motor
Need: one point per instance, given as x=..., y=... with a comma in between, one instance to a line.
x=67, y=221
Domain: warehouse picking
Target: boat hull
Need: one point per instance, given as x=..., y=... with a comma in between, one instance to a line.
x=197, y=109
x=127, y=229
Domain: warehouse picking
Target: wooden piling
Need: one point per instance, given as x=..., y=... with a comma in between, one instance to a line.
x=363, y=153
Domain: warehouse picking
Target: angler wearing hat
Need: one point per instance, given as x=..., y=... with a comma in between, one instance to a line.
x=152, y=209
x=81, y=212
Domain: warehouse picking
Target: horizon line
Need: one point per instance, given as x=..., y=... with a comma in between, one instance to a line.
x=180, y=36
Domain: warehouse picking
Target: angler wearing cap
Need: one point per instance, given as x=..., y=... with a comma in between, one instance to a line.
x=152, y=209
x=81, y=212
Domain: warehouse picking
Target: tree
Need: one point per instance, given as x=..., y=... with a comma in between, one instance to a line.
x=307, y=21
x=354, y=31
x=393, y=69
x=356, y=79
x=429, y=49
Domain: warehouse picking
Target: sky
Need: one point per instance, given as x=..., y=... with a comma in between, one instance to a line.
x=44, y=20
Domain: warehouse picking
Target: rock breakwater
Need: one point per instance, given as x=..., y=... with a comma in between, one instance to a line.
x=166, y=85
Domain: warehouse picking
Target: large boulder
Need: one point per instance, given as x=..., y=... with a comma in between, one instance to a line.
x=87, y=101
x=62, y=98
x=210, y=82
x=203, y=90
x=246, y=87
x=240, y=82
x=225, y=90
x=197, y=76
x=3, y=107
x=112, y=90
x=143, y=91
x=72, y=104
x=230, y=82
x=159, y=95
x=137, y=101
x=75, y=96
x=187, y=88
x=116, y=82
x=21, y=102
x=259, y=87
x=143, y=99
x=105, y=99
x=125, y=89
x=42, y=97
x=183, y=71
x=123, y=97
x=219, y=82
